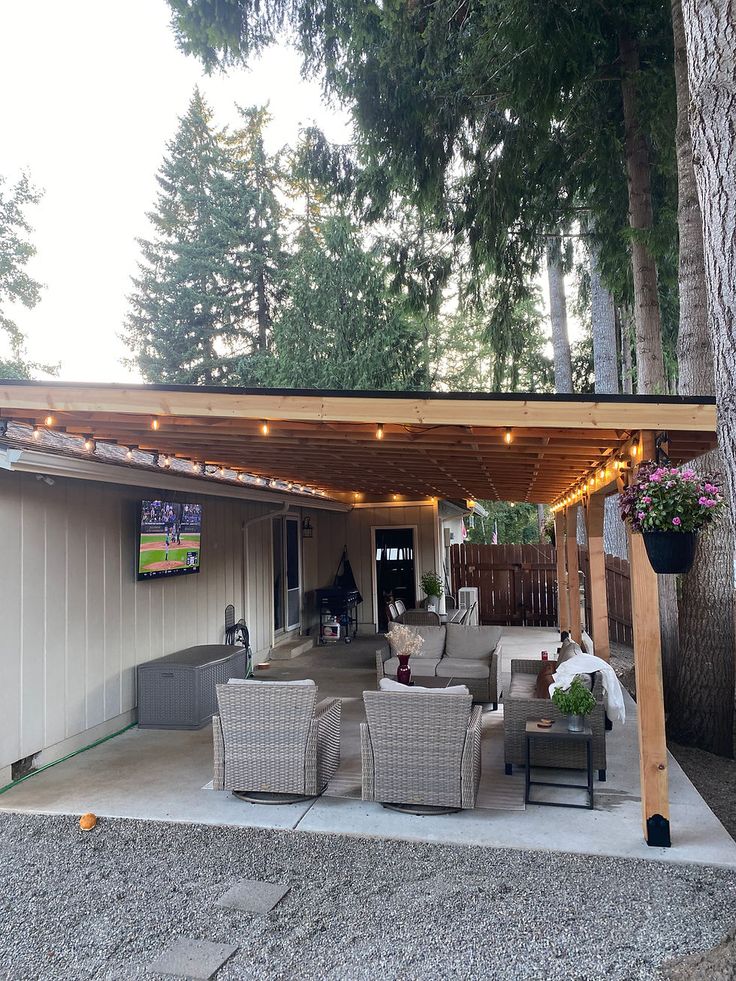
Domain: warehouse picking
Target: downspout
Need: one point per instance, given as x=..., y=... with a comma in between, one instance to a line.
x=279, y=512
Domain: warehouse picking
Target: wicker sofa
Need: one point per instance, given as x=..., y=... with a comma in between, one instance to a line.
x=421, y=748
x=272, y=740
x=520, y=706
x=467, y=655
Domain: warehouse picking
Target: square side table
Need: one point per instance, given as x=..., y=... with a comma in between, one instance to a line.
x=559, y=731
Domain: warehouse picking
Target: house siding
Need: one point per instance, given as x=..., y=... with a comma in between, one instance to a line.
x=76, y=623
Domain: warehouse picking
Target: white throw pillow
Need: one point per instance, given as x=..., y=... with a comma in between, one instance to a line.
x=388, y=684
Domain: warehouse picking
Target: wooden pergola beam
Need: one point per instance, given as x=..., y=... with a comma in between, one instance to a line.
x=653, y=766
x=594, y=516
x=472, y=410
x=573, y=573
x=563, y=599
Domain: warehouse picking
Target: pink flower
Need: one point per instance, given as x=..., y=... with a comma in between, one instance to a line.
x=677, y=522
x=656, y=477
x=646, y=500
x=674, y=470
x=640, y=515
x=711, y=489
x=704, y=501
x=688, y=475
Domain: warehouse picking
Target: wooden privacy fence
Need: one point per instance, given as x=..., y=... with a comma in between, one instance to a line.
x=517, y=585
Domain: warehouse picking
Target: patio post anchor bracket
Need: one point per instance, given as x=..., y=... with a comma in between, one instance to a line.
x=658, y=832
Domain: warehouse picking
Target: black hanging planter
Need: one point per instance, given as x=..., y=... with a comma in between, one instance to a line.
x=670, y=552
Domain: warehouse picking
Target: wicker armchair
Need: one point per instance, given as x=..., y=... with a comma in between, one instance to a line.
x=421, y=748
x=520, y=706
x=273, y=741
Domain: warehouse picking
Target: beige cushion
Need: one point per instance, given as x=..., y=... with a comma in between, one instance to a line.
x=471, y=643
x=386, y=684
x=300, y=683
x=459, y=667
x=421, y=667
x=522, y=685
x=434, y=641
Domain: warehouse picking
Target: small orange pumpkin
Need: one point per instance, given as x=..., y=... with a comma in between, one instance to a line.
x=87, y=822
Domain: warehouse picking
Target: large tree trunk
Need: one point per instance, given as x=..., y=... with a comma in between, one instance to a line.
x=605, y=368
x=649, y=357
x=627, y=368
x=603, y=315
x=710, y=29
x=558, y=317
x=702, y=709
x=650, y=372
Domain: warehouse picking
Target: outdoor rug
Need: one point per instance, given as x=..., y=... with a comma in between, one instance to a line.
x=496, y=791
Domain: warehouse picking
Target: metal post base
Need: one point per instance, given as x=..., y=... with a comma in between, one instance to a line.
x=422, y=810
x=255, y=797
x=658, y=832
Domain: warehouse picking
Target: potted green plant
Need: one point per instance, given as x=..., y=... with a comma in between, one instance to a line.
x=575, y=702
x=669, y=506
x=432, y=586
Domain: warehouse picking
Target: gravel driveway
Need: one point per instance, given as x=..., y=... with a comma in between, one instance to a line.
x=104, y=904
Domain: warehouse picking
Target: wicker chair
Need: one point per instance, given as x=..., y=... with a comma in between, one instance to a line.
x=421, y=618
x=421, y=749
x=273, y=742
x=520, y=706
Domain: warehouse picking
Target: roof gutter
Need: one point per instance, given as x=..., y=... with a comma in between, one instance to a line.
x=56, y=465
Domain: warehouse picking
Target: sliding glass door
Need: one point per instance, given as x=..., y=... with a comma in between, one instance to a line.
x=287, y=581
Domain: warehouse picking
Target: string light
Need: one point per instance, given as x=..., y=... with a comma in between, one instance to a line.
x=167, y=461
x=507, y=437
x=222, y=471
x=129, y=454
x=635, y=448
x=195, y=466
x=36, y=432
x=379, y=431
x=264, y=428
x=89, y=444
x=49, y=421
x=241, y=476
x=154, y=423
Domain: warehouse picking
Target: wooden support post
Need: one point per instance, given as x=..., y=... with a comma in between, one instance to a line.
x=597, y=575
x=563, y=600
x=573, y=573
x=649, y=689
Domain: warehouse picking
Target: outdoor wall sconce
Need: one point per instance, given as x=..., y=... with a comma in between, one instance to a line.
x=307, y=529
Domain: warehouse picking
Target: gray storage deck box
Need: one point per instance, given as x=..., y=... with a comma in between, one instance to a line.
x=178, y=691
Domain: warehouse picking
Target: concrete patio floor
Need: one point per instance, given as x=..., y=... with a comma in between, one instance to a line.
x=161, y=776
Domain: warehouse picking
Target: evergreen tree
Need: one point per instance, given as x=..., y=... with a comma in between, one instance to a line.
x=17, y=286
x=185, y=324
x=257, y=256
x=339, y=328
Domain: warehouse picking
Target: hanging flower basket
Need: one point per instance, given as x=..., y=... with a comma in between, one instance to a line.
x=670, y=552
x=669, y=506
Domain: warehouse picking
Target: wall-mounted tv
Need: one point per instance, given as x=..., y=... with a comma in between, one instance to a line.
x=169, y=539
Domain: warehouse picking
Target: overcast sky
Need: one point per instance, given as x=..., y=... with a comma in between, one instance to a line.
x=91, y=92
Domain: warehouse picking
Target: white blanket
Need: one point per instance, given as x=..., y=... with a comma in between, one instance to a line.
x=613, y=696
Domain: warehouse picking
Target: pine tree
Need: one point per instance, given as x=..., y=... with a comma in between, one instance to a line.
x=17, y=286
x=185, y=323
x=339, y=328
x=257, y=256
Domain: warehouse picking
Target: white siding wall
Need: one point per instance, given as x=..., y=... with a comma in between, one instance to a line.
x=75, y=623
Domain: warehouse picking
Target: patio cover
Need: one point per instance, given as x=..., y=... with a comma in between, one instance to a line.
x=373, y=445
